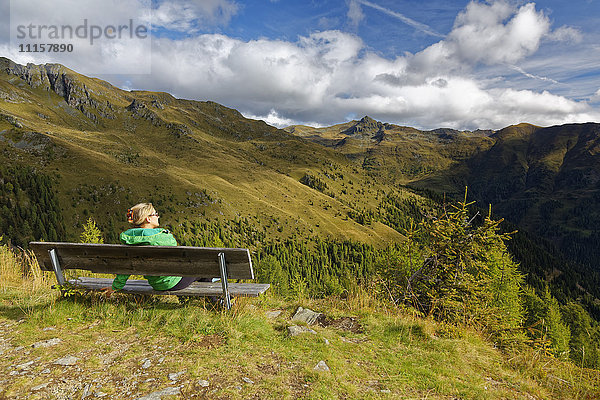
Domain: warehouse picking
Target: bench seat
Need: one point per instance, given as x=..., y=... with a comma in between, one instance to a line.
x=138, y=286
x=200, y=262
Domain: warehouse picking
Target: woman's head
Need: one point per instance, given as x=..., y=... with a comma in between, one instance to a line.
x=143, y=215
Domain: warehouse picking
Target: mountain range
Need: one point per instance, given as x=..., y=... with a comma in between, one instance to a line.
x=105, y=149
x=545, y=180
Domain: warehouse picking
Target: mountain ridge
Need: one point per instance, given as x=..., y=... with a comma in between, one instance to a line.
x=520, y=169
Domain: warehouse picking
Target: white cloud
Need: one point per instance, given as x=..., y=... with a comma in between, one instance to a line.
x=93, y=29
x=566, y=34
x=273, y=118
x=325, y=76
x=487, y=34
x=355, y=13
x=189, y=15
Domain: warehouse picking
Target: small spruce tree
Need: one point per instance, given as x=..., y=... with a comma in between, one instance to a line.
x=91, y=233
x=558, y=332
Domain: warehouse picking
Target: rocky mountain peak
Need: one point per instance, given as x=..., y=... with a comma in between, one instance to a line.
x=367, y=126
x=64, y=82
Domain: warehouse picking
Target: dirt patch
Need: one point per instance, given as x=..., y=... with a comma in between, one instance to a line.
x=349, y=324
x=207, y=342
x=210, y=341
x=299, y=386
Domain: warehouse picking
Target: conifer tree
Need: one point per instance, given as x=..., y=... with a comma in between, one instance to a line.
x=558, y=332
x=584, y=344
x=452, y=280
x=91, y=233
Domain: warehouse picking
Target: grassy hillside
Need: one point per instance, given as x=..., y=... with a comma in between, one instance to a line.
x=107, y=149
x=543, y=179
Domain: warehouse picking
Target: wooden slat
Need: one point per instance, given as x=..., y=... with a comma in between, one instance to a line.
x=195, y=289
x=146, y=260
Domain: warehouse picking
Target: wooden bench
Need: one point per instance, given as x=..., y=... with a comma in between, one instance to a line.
x=201, y=262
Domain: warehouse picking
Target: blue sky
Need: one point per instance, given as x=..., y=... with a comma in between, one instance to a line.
x=428, y=64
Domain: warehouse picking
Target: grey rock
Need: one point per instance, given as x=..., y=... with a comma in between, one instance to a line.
x=86, y=391
x=12, y=373
x=146, y=364
x=25, y=365
x=46, y=343
x=248, y=380
x=321, y=366
x=45, y=371
x=67, y=360
x=306, y=315
x=100, y=394
x=175, y=376
x=385, y=391
x=203, y=383
x=39, y=387
x=170, y=391
x=273, y=314
x=296, y=330
x=50, y=328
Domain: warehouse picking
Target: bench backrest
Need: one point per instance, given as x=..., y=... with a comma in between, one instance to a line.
x=201, y=262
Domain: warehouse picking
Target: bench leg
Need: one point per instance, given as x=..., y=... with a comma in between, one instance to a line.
x=224, y=284
x=60, y=278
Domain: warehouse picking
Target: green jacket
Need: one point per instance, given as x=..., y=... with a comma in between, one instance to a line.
x=148, y=237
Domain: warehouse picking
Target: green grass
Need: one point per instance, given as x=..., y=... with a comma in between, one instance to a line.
x=397, y=356
x=394, y=355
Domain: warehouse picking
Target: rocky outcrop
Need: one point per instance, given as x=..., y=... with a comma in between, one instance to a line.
x=63, y=82
x=369, y=128
x=307, y=316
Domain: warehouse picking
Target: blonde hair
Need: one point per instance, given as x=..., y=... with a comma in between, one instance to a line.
x=137, y=214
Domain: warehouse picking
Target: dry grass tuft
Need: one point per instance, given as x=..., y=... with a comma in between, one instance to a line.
x=23, y=280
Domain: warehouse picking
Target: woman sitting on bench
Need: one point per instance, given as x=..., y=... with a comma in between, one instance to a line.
x=146, y=232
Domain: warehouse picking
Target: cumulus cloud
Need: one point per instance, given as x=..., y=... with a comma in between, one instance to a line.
x=486, y=34
x=273, y=119
x=93, y=29
x=325, y=76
